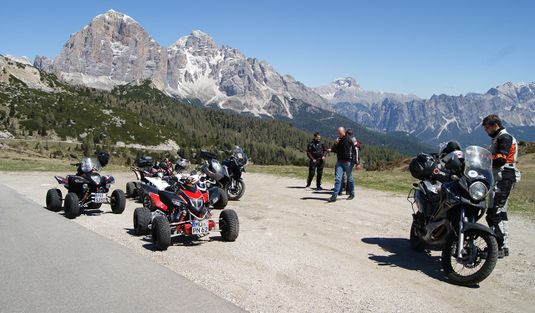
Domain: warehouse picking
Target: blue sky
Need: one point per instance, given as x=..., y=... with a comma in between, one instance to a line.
x=420, y=47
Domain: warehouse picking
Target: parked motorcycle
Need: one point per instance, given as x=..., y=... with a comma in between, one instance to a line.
x=86, y=189
x=450, y=198
x=236, y=166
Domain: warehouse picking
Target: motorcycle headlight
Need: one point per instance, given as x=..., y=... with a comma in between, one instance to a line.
x=478, y=191
x=84, y=186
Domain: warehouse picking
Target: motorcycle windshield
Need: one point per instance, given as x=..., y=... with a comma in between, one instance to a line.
x=240, y=155
x=478, y=164
x=90, y=164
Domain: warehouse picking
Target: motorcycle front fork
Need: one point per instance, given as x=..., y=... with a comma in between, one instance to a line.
x=460, y=243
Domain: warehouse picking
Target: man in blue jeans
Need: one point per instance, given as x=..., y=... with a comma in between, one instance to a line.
x=343, y=148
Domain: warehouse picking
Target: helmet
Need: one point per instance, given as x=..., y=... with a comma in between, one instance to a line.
x=422, y=166
x=103, y=158
x=181, y=164
x=450, y=147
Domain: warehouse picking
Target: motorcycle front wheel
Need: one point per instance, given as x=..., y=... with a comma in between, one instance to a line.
x=235, y=189
x=479, y=257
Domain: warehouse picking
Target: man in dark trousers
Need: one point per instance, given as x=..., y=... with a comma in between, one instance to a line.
x=505, y=153
x=316, y=160
x=355, y=161
x=343, y=147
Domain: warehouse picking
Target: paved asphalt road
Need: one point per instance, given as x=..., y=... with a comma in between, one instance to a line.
x=50, y=264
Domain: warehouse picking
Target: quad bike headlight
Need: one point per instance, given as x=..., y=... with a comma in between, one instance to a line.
x=478, y=191
x=96, y=179
x=84, y=186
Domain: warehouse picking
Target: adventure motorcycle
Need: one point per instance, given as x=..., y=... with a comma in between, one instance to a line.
x=184, y=210
x=236, y=166
x=450, y=199
x=87, y=189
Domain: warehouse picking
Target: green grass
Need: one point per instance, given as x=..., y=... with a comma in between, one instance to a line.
x=24, y=164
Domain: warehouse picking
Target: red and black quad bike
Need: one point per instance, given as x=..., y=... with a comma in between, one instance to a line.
x=87, y=189
x=184, y=211
x=153, y=185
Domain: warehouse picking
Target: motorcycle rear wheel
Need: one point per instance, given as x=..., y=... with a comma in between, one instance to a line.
x=473, y=256
x=416, y=242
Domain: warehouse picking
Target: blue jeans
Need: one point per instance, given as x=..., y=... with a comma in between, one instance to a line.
x=340, y=169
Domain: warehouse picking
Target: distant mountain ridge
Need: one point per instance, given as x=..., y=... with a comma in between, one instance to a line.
x=439, y=118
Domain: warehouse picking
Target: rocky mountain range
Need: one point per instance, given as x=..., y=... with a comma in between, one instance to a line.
x=439, y=118
x=114, y=49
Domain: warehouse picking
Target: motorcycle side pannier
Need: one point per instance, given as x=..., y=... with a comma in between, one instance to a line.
x=145, y=161
x=421, y=167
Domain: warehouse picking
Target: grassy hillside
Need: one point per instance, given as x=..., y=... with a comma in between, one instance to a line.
x=146, y=116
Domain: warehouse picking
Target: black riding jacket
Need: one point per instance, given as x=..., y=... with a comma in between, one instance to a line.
x=316, y=150
x=344, y=149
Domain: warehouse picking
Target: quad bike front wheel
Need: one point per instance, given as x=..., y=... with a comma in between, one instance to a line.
x=142, y=217
x=229, y=225
x=117, y=201
x=161, y=233
x=53, y=200
x=479, y=257
x=72, y=206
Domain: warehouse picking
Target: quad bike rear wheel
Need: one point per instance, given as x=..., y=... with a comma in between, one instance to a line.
x=130, y=190
x=161, y=233
x=229, y=225
x=72, y=206
x=142, y=217
x=53, y=200
x=117, y=201
x=147, y=203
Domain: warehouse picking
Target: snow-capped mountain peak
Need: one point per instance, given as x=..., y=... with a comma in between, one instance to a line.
x=113, y=49
x=346, y=82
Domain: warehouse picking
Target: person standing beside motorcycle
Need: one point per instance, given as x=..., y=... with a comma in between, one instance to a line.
x=343, y=148
x=505, y=154
x=316, y=160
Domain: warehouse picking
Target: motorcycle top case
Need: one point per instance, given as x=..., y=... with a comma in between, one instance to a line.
x=145, y=161
x=422, y=166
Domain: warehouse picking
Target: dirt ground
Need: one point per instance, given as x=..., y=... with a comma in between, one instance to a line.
x=298, y=253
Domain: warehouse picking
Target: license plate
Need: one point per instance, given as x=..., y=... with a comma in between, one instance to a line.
x=100, y=198
x=199, y=227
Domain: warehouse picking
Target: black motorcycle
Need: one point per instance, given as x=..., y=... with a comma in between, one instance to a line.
x=236, y=166
x=450, y=199
x=86, y=189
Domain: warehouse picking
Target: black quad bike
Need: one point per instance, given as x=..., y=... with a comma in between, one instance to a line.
x=236, y=166
x=184, y=210
x=450, y=198
x=86, y=190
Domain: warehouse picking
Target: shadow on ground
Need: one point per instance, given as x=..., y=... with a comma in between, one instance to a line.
x=400, y=254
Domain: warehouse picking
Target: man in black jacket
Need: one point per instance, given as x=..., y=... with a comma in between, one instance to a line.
x=316, y=160
x=505, y=153
x=343, y=148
